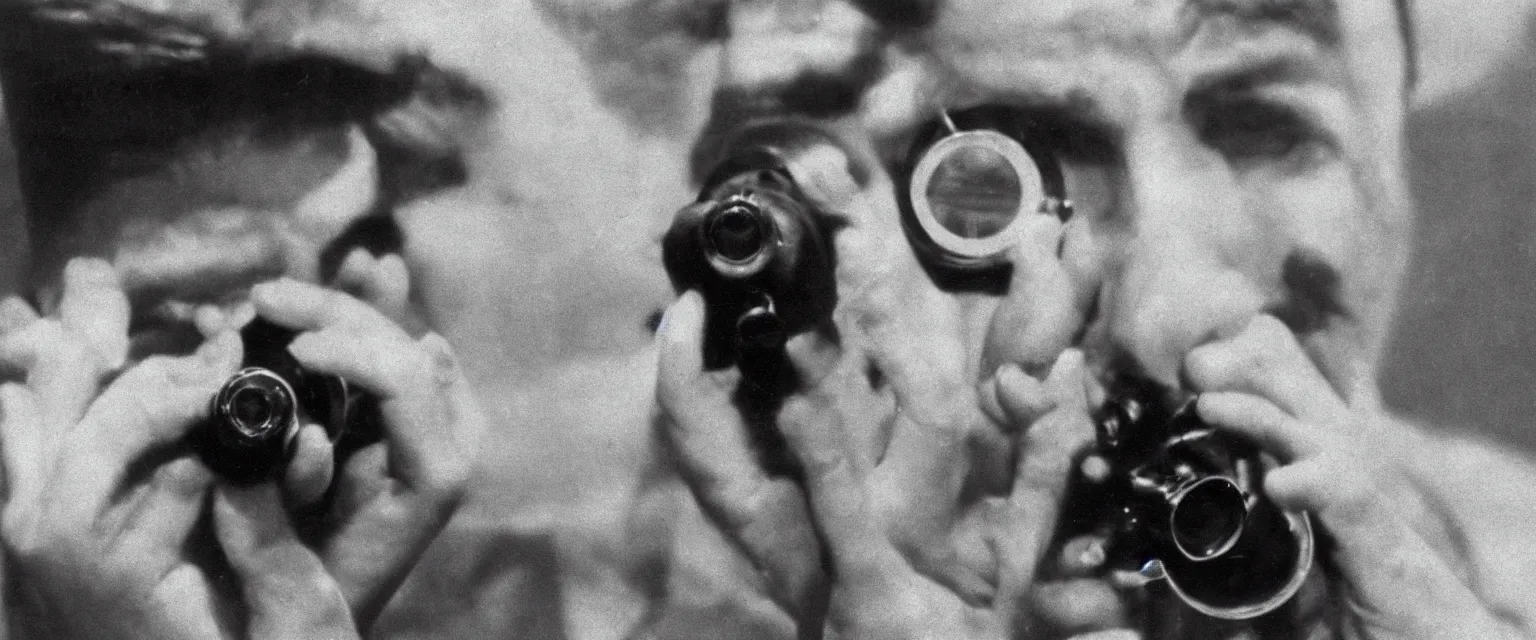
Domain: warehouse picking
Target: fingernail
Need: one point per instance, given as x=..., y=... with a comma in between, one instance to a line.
x=1095, y=468
x=1093, y=555
x=1011, y=373
x=210, y=320
x=272, y=287
x=263, y=290
x=241, y=314
x=306, y=347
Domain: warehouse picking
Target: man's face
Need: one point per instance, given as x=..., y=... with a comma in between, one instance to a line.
x=1226, y=158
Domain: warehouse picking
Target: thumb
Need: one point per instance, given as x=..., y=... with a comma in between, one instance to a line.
x=1037, y=318
x=287, y=590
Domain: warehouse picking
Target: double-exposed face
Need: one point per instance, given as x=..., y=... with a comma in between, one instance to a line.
x=1224, y=158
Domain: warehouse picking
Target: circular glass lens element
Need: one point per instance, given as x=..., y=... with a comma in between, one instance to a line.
x=1208, y=518
x=972, y=192
x=736, y=233
x=251, y=409
x=256, y=405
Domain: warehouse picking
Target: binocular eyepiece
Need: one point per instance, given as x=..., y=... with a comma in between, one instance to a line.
x=256, y=415
x=1186, y=506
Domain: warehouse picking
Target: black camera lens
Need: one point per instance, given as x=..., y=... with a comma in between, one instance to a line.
x=252, y=410
x=257, y=405
x=736, y=232
x=975, y=192
x=1208, y=518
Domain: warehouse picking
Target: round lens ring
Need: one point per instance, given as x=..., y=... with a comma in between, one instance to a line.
x=1208, y=518
x=971, y=192
x=258, y=405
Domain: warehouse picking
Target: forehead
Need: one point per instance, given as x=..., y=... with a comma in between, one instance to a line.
x=1104, y=48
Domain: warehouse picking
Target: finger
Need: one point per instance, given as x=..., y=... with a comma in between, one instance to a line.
x=307, y=307
x=1047, y=450
x=1083, y=555
x=413, y=383
x=153, y=404
x=200, y=611
x=681, y=352
x=1039, y=487
x=382, y=282
x=769, y=518
x=371, y=572
x=1038, y=316
x=221, y=355
x=354, y=271
x=60, y=368
x=95, y=309
x=991, y=406
x=705, y=428
x=364, y=476
x=309, y=471
x=814, y=357
x=210, y=320
x=167, y=510
x=388, y=286
x=288, y=591
x=1266, y=360
x=1390, y=569
x=1278, y=433
x=15, y=313
x=1078, y=606
x=1023, y=399
x=835, y=488
x=21, y=443
x=1094, y=468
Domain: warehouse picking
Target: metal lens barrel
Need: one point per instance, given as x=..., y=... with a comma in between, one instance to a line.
x=1189, y=504
x=1207, y=517
x=255, y=417
x=256, y=406
x=758, y=248
x=737, y=232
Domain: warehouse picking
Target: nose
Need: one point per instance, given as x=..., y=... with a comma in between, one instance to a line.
x=1189, y=268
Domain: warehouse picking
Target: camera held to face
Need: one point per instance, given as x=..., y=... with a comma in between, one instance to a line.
x=256, y=415
x=758, y=250
x=1185, y=504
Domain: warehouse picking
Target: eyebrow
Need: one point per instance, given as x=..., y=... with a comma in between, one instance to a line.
x=1316, y=19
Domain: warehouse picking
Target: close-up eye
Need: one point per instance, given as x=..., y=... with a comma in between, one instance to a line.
x=975, y=178
x=1249, y=129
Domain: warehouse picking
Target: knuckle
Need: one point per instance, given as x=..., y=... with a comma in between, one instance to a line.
x=445, y=482
x=1270, y=330
x=440, y=362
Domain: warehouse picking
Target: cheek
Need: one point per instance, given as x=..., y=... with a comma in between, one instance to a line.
x=1318, y=214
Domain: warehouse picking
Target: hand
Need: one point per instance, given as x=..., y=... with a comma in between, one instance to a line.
x=395, y=496
x=877, y=593
x=101, y=503
x=1336, y=463
x=929, y=469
